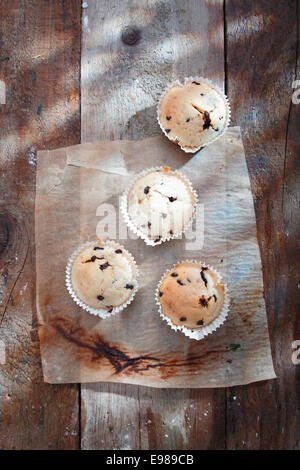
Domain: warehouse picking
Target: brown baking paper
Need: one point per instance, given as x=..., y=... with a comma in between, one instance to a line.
x=77, y=187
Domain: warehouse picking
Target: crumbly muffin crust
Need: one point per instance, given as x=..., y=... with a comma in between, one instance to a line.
x=160, y=204
x=103, y=276
x=193, y=114
x=191, y=295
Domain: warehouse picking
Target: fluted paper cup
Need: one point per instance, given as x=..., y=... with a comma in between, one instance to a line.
x=102, y=313
x=197, y=333
x=175, y=139
x=134, y=228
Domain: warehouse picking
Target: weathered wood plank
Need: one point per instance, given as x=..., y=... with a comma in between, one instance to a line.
x=121, y=84
x=182, y=419
x=41, y=43
x=261, y=67
x=110, y=416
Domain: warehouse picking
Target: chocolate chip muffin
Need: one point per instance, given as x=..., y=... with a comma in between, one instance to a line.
x=191, y=295
x=103, y=276
x=193, y=114
x=160, y=204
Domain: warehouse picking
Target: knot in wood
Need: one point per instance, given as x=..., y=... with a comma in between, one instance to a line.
x=131, y=35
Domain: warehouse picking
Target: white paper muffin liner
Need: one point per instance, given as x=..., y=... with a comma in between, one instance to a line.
x=139, y=233
x=218, y=134
x=102, y=313
x=198, y=333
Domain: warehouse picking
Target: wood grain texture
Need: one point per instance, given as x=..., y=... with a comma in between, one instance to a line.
x=41, y=41
x=182, y=419
x=262, y=63
x=110, y=416
x=121, y=85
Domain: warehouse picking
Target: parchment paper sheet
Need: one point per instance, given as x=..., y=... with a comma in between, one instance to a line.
x=136, y=346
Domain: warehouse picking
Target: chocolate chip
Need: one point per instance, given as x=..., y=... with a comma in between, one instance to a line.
x=182, y=318
x=91, y=260
x=204, y=268
x=221, y=117
x=104, y=266
x=188, y=120
x=149, y=224
x=100, y=297
x=98, y=248
x=161, y=293
x=203, y=301
x=180, y=282
x=174, y=275
x=129, y=286
x=118, y=251
x=147, y=189
x=168, y=130
x=164, y=216
x=168, y=118
x=216, y=129
x=203, y=278
x=188, y=280
x=215, y=297
x=110, y=307
x=157, y=239
x=200, y=322
x=171, y=232
x=202, y=94
x=172, y=199
x=196, y=83
x=207, y=120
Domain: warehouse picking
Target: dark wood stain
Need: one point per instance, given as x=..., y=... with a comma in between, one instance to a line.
x=101, y=349
x=121, y=361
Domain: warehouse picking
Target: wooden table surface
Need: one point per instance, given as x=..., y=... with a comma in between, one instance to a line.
x=70, y=77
